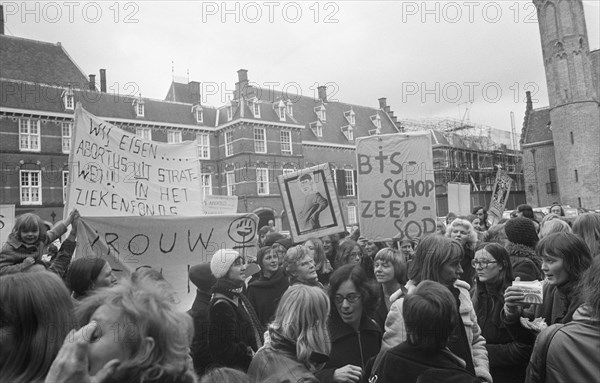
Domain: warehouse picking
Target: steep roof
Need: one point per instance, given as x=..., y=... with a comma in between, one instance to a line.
x=303, y=113
x=537, y=126
x=39, y=62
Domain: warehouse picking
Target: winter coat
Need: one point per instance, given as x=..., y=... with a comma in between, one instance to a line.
x=412, y=365
x=276, y=362
x=349, y=346
x=264, y=294
x=200, y=351
x=14, y=251
x=508, y=349
x=381, y=311
x=568, y=355
x=231, y=334
x=525, y=263
x=560, y=303
x=395, y=330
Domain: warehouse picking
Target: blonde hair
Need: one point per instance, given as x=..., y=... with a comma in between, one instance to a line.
x=471, y=239
x=553, y=226
x=301, y=317
x=148, y=309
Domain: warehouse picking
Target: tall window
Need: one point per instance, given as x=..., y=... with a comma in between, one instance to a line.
x=69, y=100
x=260, y=140
x=174, y=137
x=576, y=176
x=139, y=108
x=351, y=214
x=29, y=135
x=551, y=187
x=31, y=187
x=145, y=133
x=229, y=113
x=262, y=181
x=203, y=145
x=230, y=180
x=67, y=128
x=228, y=143
x=206, y=184
x=349, y=178
x=199, y=114
x=256, y=109
x=65, y=185
x=286, y=142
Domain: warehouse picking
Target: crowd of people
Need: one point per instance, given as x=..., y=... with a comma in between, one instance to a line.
x=448, y=307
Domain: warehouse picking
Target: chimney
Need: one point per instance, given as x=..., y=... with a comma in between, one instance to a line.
x=322, y=93
x=92, y=82
x=1, y=19
x=529, y=103
x=103, y=80
x=241, y=87
x=382, y=103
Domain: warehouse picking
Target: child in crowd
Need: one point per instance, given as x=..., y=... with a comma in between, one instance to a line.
x=27, y=241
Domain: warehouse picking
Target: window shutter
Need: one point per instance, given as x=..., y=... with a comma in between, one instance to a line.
x=354, y=176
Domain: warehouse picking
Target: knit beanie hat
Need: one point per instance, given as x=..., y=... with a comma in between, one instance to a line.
x=271, y=238
x=521, y=230
x=221, y=262
x=201, y=277
x=285, y=242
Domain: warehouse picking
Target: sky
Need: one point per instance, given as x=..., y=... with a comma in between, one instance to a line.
x=467, y=60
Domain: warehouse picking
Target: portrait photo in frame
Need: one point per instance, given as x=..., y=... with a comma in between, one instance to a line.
x=311, y=203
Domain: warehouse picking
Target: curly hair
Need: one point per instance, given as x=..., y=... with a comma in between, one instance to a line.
x=357, y=275
x=344, y=255
x=471, y=238
x=149, y=311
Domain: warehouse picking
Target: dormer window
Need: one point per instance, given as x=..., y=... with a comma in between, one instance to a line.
x=280, y=107
x=229, y=112
x=289, y=109
x=198, y=113
x=374, y=132
x=348, y=132
x=317, y=128
x=138, y=104
x=350, y=116
x=320, y=111
x=69, y=99
x=376, y=121
x=255, y=107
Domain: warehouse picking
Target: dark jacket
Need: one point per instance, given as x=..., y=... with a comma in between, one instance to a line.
x=412, y=364
x=525, y=263
x=468, y=274
x=264, y=294
x=560, y=302
x=200, y=351
x=568, y=355
x=231, y=336
x=349, y=346
x=14, y=252
x=60, y=263
x=508, y=349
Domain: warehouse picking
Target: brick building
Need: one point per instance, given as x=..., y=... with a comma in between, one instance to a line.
x=243, y=146
x=561, y=142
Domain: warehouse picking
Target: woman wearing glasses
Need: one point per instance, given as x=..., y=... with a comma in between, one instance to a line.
x=439, y=259
x=355, y=337
x=508, y=351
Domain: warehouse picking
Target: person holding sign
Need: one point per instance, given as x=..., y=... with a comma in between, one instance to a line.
x=314, y=204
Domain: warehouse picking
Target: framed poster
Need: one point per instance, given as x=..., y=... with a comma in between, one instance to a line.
x=311, y=203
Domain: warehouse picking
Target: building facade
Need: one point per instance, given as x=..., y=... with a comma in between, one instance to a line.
x=561, y=143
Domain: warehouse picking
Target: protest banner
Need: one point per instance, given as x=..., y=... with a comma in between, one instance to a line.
x=499, y=196
x=459, y=198
x=167, y=243
x=7, y=222
x=114, y=172
x=311, y=203
x=220, y=204
x=396, y=188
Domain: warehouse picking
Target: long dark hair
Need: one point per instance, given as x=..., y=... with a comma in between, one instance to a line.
x=496, y=293
x=366, y=288
x=82, y=273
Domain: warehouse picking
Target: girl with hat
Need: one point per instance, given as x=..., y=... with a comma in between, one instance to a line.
x=235, y=332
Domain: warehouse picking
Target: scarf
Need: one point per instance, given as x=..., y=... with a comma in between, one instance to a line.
x=234, y=289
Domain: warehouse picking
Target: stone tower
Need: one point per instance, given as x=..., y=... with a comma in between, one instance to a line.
x=573, y=93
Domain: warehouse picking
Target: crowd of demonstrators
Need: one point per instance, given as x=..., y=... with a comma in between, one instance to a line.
x=335, y=308
x=438, y=258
